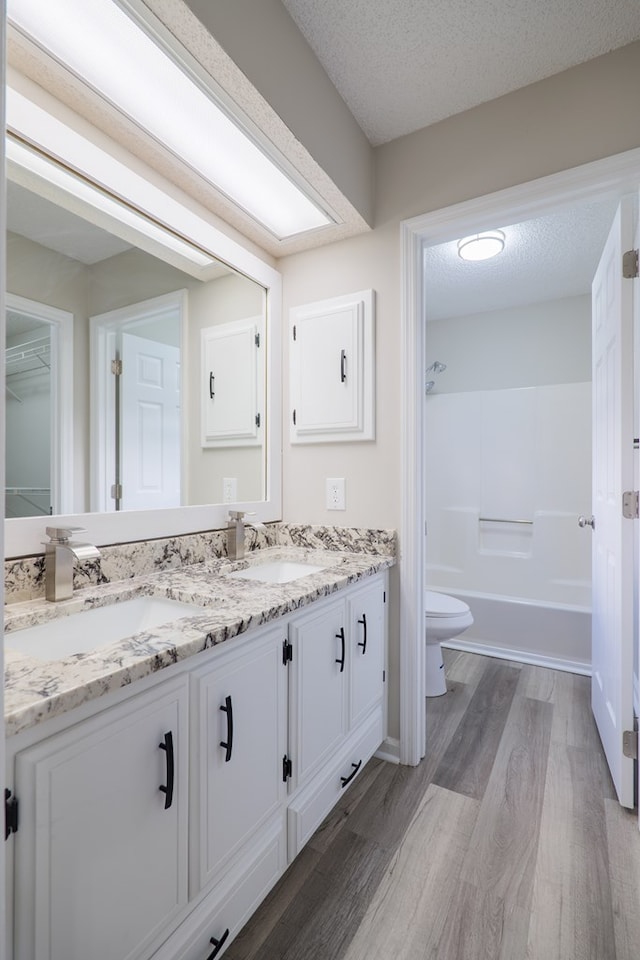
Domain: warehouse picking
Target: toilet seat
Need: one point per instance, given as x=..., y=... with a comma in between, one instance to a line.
x=440, y=605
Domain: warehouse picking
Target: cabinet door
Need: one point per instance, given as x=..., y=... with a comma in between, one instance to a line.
x=232, y=384
x=367, y=623
x=331, y=370
x=101, y=855
x=319, y=678
x=240, y=715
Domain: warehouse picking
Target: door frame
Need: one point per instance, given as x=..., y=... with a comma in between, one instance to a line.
x=610, y=176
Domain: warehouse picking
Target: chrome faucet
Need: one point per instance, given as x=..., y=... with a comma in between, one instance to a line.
x=59, y=555
x=236, y=526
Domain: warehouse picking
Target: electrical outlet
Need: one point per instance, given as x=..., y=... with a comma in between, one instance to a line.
x=229, y=489
x=336, y=498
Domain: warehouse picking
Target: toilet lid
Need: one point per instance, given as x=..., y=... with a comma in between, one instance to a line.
x=442, y=605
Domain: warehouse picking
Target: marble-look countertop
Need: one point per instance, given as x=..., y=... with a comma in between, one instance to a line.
x=36, y=690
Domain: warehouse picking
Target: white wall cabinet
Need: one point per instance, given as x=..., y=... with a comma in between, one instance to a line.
x=154, y=827
x=232, y=384
x=101, y=866
x=331, y=360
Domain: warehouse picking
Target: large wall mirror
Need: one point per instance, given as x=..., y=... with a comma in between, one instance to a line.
x=142, y=372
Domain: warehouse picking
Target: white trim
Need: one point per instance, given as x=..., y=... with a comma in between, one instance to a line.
x=520, y=656
x=610, y=175
x=389, y=750
x=61, y=410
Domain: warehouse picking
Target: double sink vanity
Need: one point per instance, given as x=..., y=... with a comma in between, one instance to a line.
x=174, y=739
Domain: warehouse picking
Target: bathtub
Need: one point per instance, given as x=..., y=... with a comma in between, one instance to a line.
x=548, y=634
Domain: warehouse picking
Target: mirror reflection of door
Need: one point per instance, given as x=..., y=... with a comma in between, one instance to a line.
x=138, y=367
x=36, y=417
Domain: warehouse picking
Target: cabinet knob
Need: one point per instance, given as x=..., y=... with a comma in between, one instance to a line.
x=167, y=746
x=228, y=743
x=341, y=658
x=363, y=643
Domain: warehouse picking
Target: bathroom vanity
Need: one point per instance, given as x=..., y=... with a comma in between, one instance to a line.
x=164, y=782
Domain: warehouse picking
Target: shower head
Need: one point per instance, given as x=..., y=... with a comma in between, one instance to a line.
x=437, y=367
x=429, y=385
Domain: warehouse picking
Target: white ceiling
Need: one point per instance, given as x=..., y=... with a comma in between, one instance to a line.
x=544, y=259
x=401, y=65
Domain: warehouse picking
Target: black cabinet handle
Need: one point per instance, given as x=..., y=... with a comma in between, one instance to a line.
x=340, y=660
x=347, y=780
x=363, y=644
x=343, y=366
x=218, y=944
x=228, y=745
x=212, y=381
x=167, y=746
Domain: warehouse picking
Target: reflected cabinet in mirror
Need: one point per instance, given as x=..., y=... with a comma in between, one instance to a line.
x=142, y=373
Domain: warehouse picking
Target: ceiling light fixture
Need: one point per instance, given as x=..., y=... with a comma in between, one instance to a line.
x=481, y=246
x=108, y=50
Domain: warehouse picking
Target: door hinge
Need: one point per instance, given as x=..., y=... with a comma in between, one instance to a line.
x=630, y=744
x=384, y=676
x=630, y=504
x=294, y=331
x=10, y=814
x=630, y=264
x=116, y=368
x=384, y=596
x=286, y=768
x=287, y=652
x=257, y=419
x=294, y=418
x=116, y=491
x=257, y=339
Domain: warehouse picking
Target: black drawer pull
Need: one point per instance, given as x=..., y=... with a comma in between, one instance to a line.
x=212, y=381
x=167, y=746
x=340, y=660
x=343, y=366
x=363, y=644
x=218, y=944
x=228, y=744
x=347, y=780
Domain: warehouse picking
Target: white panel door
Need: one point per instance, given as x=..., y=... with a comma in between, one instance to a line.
x=150, y=424
x=367, y=649
x=612, y=556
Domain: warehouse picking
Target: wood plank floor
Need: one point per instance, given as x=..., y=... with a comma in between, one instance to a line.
x=505, y=843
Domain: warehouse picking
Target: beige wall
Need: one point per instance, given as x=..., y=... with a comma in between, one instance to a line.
x=583, y=114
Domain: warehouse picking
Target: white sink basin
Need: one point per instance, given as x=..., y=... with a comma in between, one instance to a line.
x=92, y=629
x=278, y=571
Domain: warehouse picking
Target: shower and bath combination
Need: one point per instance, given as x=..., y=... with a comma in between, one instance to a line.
x=436, y=367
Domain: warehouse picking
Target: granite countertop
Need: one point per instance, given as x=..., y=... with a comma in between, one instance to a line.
x=36, y=690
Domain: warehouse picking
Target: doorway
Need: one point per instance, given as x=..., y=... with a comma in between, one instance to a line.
x=612, y=176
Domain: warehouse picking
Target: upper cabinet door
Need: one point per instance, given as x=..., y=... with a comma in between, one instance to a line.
x=332, y=370
x=233, y=384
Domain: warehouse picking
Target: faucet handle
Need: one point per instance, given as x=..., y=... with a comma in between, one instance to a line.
x=62, y=533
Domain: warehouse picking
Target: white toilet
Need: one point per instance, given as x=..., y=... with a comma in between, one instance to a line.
x=445, y=618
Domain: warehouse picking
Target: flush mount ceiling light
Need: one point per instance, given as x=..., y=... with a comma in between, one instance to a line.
x=481, y=246
x=111, y=52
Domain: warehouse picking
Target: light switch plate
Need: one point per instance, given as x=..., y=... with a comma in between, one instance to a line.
x=336, y=498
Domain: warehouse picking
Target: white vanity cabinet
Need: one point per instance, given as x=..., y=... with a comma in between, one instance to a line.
x=101, y=862
x=239, y=710
x=152, y=826
x=337, y=702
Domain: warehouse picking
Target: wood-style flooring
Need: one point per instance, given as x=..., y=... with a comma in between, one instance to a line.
x=505, y=843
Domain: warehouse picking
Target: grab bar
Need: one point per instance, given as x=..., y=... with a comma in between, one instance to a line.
x=496, y=520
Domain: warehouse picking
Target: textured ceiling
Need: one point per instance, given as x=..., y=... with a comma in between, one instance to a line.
x=401, y=65
x=544, y=259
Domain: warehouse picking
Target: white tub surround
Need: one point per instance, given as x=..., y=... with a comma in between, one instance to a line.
x=37, y=690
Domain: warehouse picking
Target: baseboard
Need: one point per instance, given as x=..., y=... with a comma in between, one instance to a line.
x=389, y=750
x=520, y=656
